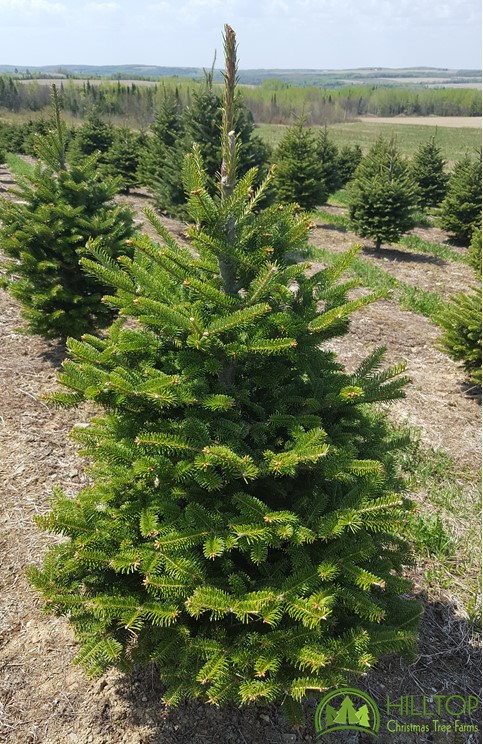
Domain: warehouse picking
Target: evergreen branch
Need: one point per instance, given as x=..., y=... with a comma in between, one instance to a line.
x=164, y=442
x=328, y=318
x=269, y=346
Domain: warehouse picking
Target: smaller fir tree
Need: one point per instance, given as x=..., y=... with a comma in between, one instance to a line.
x=328, y=155
x=45, y=234
x=123, y=158
x=382, y=196
x=202, y=123
x=93, y=136
x=349, y=158
x=298, y=175
x=427, y=170
x=461, y=208
x=160, y=162
x=474, y=251
x=461, y=320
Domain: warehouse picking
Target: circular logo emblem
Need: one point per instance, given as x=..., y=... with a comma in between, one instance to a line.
x=347, y=709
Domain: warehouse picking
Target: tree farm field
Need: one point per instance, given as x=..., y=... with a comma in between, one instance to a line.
x=45, y=699
x=456, y=135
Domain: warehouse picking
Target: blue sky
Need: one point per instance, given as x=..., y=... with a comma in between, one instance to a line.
x=271, y=33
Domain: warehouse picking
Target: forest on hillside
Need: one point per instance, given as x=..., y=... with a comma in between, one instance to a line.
x=273, y=102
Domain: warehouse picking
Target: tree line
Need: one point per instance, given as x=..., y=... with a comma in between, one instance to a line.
x=272, y=102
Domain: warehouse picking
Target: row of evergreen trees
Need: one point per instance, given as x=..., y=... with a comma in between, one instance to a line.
x=310, y=167
x=243, y=529
x=386, y=190
x=387, y=193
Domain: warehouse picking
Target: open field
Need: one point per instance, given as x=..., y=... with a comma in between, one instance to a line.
x=454, y=141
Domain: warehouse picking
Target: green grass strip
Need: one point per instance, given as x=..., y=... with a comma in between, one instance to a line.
x=17, y=165
x=339, y=199
x=410, y=298
x=338, y=220
x=440, y=250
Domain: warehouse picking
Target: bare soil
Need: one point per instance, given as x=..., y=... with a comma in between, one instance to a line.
x=454, y=122
x=45, y=699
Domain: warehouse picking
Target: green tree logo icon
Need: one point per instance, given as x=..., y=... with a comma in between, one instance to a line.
x=347, y=709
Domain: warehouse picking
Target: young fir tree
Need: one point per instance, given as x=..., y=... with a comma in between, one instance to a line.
x=45, y=233
x=243, y=526
x=93, y=136
x=202, y=122
x=382, y=196
x=461, y=320
x=252, y=152
x=474, y=250
x=298, y=175
x=161, y=160
x=349, y=158
x=122, y=159
x=461, y=208
x=328, y=155
x=427, y=171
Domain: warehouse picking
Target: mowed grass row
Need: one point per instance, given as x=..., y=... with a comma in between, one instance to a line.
x=454, y=142
x=444, y=529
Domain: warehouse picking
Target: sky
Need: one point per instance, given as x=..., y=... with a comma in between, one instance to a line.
x=277, y=34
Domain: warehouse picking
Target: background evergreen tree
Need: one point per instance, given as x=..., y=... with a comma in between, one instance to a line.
x=461, y=320
x=474, y=251
x=461, y=208
x=160, y=161
x=252, y=152
x=93, y=136
x=298, y=175
x=202, y=123
x=122, y=158
x=45, y=234
x=427, y=171
x=348, y=159
x=243, y=526
x=328, y=155
x=382, y=196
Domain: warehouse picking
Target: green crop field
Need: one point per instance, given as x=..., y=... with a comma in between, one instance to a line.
x=453, y=141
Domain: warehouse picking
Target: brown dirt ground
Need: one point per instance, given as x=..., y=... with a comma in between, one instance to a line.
x=45, y=699
x=472, y=122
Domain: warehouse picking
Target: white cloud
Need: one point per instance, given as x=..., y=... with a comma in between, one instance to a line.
x=101, y=7
x=31, y=6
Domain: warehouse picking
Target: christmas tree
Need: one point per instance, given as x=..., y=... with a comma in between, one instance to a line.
x=427, y=171
x=298, y=176
x=461, y=320
x=382, y=196
x=243, y=526
x=349, y=158
x=122, y=159
x=461, y=208
x=328, y=156
x=474, y=250
x=93, y=136
x=161, y=160
x=202, y=122
x=44, y=235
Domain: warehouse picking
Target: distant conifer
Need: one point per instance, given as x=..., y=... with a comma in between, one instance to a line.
x=298, y=175
x=461, y=208
x=428, y=171
x=382, y=195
